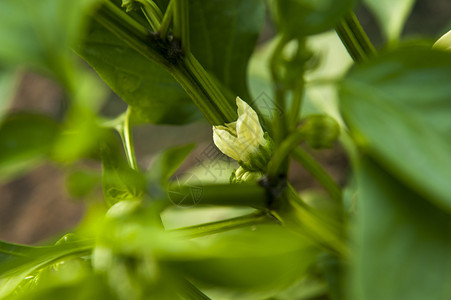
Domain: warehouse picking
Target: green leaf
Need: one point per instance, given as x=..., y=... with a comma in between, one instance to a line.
x=223, y=34
x=298, y=18
x=398, y=109
x=25, y=140
x=119, y=181
x=19, y=261
x=403, y=246
x=39, y=34
x=391, y=15
x=154, y=95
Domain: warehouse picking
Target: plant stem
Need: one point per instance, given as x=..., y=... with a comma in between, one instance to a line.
x=181, y=23
x=279, y=125
x=167, y=20
x=127, y=140
x=315, y=169
x=225, y=225
x=292, y=141
x=355, y=39
x=152, y=13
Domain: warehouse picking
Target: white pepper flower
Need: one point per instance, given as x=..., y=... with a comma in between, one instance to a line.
x=240, y=139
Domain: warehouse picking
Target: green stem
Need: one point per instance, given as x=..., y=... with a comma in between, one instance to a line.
x=181, y=23
x=296, y=105
x=225, y=225
x=152, y=13
x=355, y=39
x=275, y=167
x=127, y=140
x=315, y=169
x=280, y=128
x=167, y=21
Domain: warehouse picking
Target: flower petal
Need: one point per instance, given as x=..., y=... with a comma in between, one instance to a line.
x=249, y=131
x=226, y=142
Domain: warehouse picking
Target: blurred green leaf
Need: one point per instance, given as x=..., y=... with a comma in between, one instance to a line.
x=264, y=257
x=298, y=18
x=89, y=287
x=9, y=80
x=25, y=140
x=39, y=34
x=119, y=181
x=19, y=261
x=391, y=15
x=403, y=246
x=81, y=183
x=398, y=109
x=81, y=136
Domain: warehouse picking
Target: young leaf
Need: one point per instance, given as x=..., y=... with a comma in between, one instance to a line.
x=398, y=109
x=403, y=246
x=391, y=14
x=25, y=139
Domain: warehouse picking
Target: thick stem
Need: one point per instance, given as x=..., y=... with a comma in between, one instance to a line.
x=355, y=39
x=181, y=23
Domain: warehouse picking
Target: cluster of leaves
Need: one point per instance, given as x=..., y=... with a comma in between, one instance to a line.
x=384, y=237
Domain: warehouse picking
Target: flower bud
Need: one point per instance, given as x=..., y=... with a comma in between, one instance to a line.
x=321, y=131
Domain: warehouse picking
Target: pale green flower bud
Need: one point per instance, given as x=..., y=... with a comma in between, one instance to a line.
x=444, y=43
x=240, y=175
x=242, y=139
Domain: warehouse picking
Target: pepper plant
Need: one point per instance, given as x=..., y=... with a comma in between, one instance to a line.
x=382, y=235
